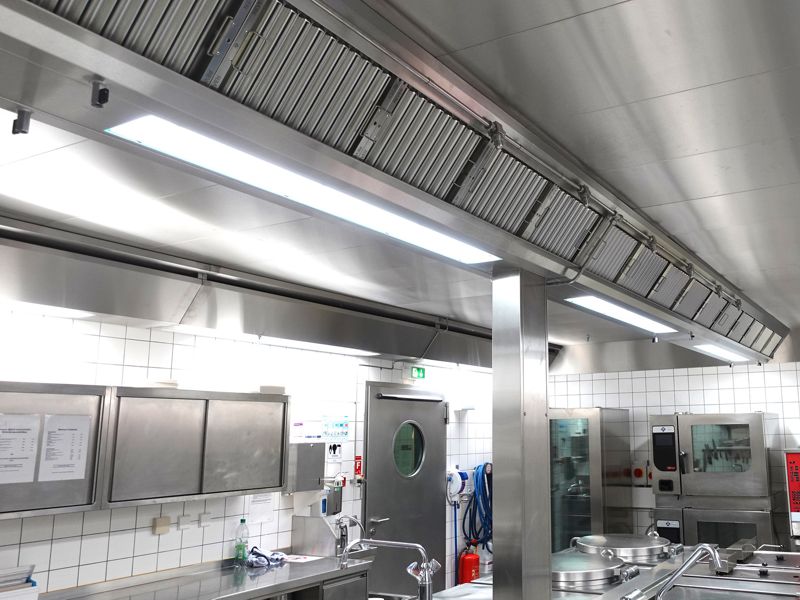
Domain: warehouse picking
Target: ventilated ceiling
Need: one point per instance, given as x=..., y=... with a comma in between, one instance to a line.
x=272, y=58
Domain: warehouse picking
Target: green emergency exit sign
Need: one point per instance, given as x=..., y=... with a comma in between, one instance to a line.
x=418, y=372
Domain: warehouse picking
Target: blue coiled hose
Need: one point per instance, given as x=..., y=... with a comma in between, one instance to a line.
x=476, y=524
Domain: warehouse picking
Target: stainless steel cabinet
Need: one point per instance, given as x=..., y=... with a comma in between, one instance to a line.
x=349, y=589
x=168, y=444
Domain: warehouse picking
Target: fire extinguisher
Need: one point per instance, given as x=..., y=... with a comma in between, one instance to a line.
x=469, y=564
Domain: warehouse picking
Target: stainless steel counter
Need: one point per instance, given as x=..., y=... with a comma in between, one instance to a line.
x=217, y=580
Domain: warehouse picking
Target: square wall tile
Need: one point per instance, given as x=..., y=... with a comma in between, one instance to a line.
x=60, y=579
x=65, y=552
x=35, y=529
x=9, y=556
x=93, y=573
x=116, y=569
x=94, y=548
x=96, y=521
x=35, y=553
x=67, y=525
x=10, y=531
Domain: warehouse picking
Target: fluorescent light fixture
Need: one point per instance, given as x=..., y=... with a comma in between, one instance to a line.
x=273, y=341
x=45, y=310
x=604, y=307
x=189, y=146
x=722, y=353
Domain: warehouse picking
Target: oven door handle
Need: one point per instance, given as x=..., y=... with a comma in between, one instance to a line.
x=682, y=461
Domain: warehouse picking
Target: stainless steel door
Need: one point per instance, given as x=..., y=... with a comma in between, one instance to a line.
x=725, y=455
x=405, y=481
x=725, y=527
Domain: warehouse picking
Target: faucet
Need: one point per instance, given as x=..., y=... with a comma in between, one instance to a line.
x=422, y=571
x=700, y=551
x=343, y=523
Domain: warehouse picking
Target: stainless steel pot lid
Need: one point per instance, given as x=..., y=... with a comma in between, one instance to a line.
x=624, y=545
x=571, y=567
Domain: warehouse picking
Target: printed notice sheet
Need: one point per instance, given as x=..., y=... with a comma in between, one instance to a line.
x=65, y=446
x=261, y=508
x=19, y=441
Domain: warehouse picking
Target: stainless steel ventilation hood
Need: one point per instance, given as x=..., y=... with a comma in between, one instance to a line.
x=384, y=140
x=122, y=284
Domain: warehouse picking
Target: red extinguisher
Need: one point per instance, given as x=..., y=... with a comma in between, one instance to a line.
x=469, y=564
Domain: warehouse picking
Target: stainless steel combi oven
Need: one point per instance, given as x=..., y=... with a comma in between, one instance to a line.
x=711, y=477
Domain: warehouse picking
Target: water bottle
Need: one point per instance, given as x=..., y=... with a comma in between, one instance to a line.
x=240, y=545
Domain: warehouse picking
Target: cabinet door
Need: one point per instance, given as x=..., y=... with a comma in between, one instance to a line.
x=159, y=448
x=244, y=445
x=349, y=589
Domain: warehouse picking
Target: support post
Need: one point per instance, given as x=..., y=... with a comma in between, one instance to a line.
x=521, y=438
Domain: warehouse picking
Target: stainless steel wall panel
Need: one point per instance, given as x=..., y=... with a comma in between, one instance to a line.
x=643, y=271
x=612, y=254
x=564, y=226
x=423, y=145
x=752, y=333
x=692, y=299
x=762, y=339
x=710, y=310
x=740, y=328
x=244, y=446
x=727, y=319
x=669, y=286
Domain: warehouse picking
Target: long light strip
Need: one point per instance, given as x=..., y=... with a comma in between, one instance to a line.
x=722, y=353
x=604, y=307
x=189, y=146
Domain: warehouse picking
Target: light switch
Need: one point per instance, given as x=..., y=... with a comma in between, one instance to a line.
x=205, y=519
x=160, y=525
x=184, y=521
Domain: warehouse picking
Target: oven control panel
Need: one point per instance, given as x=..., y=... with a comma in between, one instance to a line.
x=665, y=451
x=793, y=489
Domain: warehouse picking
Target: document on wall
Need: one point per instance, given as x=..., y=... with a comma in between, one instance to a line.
x=261, y=508
x=19, y=442
x=65, y=446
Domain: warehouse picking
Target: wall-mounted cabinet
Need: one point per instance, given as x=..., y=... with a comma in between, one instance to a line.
x=170, y=445
x=49, y=447
x=71, y=448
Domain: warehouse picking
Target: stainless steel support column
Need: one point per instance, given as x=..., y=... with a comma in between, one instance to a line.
x=521, y=447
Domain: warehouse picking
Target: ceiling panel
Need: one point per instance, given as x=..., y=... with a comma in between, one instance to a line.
x=476, y=21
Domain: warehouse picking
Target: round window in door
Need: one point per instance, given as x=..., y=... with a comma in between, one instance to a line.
x=409, y=449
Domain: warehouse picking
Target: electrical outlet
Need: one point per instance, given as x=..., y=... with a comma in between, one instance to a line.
x=160, y=525
x=205, y=519
x=184, y=522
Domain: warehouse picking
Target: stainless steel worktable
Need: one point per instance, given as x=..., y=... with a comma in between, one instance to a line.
x=216, y=580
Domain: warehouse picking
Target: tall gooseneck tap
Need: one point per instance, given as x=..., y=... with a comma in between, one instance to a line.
x=700, y=551
x=422, y=571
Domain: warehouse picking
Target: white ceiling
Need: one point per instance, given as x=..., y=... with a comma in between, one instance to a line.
x=58, y=179
x=689, y=109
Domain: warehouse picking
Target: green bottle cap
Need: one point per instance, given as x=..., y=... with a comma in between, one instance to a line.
x=241, y=520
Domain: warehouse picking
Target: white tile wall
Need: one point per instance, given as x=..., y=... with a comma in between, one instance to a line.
x=81, y=548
